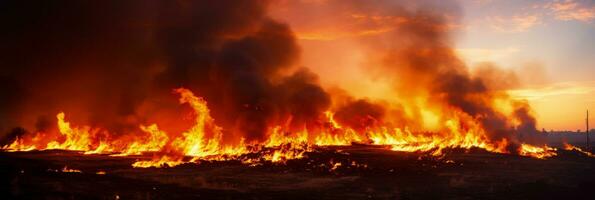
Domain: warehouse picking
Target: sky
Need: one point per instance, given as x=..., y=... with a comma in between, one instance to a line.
x=548, y=44
x=554, y=40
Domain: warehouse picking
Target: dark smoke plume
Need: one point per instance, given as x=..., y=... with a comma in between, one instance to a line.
x=360, y=114
x=413, y=48
x=114, y=63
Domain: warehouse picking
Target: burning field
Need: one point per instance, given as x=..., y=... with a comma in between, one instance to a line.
x=209, y=99
x=338, y=172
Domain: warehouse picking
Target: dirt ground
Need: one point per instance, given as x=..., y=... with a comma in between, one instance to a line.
x=364, y=172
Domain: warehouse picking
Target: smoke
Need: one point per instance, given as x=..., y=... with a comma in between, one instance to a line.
x=360, y=114
x=113, y=64
x=410, y=45
x=419, y=52
x=496, y=78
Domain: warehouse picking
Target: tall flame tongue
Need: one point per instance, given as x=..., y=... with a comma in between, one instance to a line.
x=203, y=141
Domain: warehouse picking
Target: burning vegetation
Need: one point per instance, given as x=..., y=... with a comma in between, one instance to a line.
x=243, y=95
x=203, y=140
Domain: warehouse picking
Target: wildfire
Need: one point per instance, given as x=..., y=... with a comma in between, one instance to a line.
x=163, y=161
x=570, y=147
x=405, y=140
x=537, y=152
x=203, y=141
x=155, y=142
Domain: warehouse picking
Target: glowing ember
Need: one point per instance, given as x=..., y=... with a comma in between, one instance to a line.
x=335, y=166
x=66, y=170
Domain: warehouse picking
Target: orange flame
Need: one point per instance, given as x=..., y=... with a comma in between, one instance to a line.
x=570, y=147
x=537, y=152
x=203, y=140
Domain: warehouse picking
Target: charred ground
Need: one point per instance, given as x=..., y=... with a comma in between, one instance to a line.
x=365, y=172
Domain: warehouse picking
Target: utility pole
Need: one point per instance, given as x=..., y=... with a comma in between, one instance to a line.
x=588, y=141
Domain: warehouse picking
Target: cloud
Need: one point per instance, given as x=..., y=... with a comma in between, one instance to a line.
x=538, y=14
x=340, y=19
x=378, y=25
x=555, y=89
x=571, y=10
x=482, y=2
x=514, y=24
x=360, y=25
x=474, y=55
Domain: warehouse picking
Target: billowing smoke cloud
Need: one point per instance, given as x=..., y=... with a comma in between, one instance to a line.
x=360, y=114
x=420, y=54
x=114, y=63
x=409, y=43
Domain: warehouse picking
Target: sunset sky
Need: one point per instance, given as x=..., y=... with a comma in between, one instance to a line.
x=549, y=45
x=558, y=36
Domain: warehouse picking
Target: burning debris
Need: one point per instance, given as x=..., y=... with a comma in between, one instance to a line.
x=65, y=170
x=541, y=153
x=570, y=147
